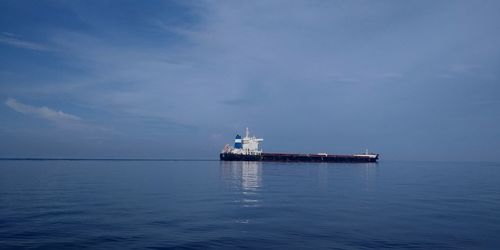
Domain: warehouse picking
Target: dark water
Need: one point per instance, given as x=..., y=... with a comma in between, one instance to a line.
x=211, y=204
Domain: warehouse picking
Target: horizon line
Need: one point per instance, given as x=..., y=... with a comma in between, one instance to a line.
x=99, y=159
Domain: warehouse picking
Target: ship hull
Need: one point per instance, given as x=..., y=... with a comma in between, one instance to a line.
x=298, y=157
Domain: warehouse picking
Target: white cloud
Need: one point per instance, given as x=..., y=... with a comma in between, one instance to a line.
x=11, y=40
x=42, y=112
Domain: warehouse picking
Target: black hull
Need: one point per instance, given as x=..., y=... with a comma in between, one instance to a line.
x=297, y=158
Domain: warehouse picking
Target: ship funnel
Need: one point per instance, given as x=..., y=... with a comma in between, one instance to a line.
x=237, y=142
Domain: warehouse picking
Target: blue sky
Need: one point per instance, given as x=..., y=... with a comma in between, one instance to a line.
x=178, y=79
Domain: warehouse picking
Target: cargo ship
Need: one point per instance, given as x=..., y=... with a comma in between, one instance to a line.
x=247, y=149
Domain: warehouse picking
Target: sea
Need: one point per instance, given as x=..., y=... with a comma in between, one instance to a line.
x=196, y=204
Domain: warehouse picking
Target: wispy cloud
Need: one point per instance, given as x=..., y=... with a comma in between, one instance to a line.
x=12, y=40
x=463, y=68
x=245, y=51
x=42, y=112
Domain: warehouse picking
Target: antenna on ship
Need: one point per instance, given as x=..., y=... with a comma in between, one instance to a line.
x=246, y=135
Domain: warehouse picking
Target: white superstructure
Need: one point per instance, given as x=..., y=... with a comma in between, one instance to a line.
x=245, y=146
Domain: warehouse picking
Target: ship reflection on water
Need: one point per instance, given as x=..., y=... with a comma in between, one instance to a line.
x=244, y=177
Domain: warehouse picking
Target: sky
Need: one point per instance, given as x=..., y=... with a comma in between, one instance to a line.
x=411, y=80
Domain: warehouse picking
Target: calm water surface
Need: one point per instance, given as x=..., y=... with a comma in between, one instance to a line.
x=211, y=204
